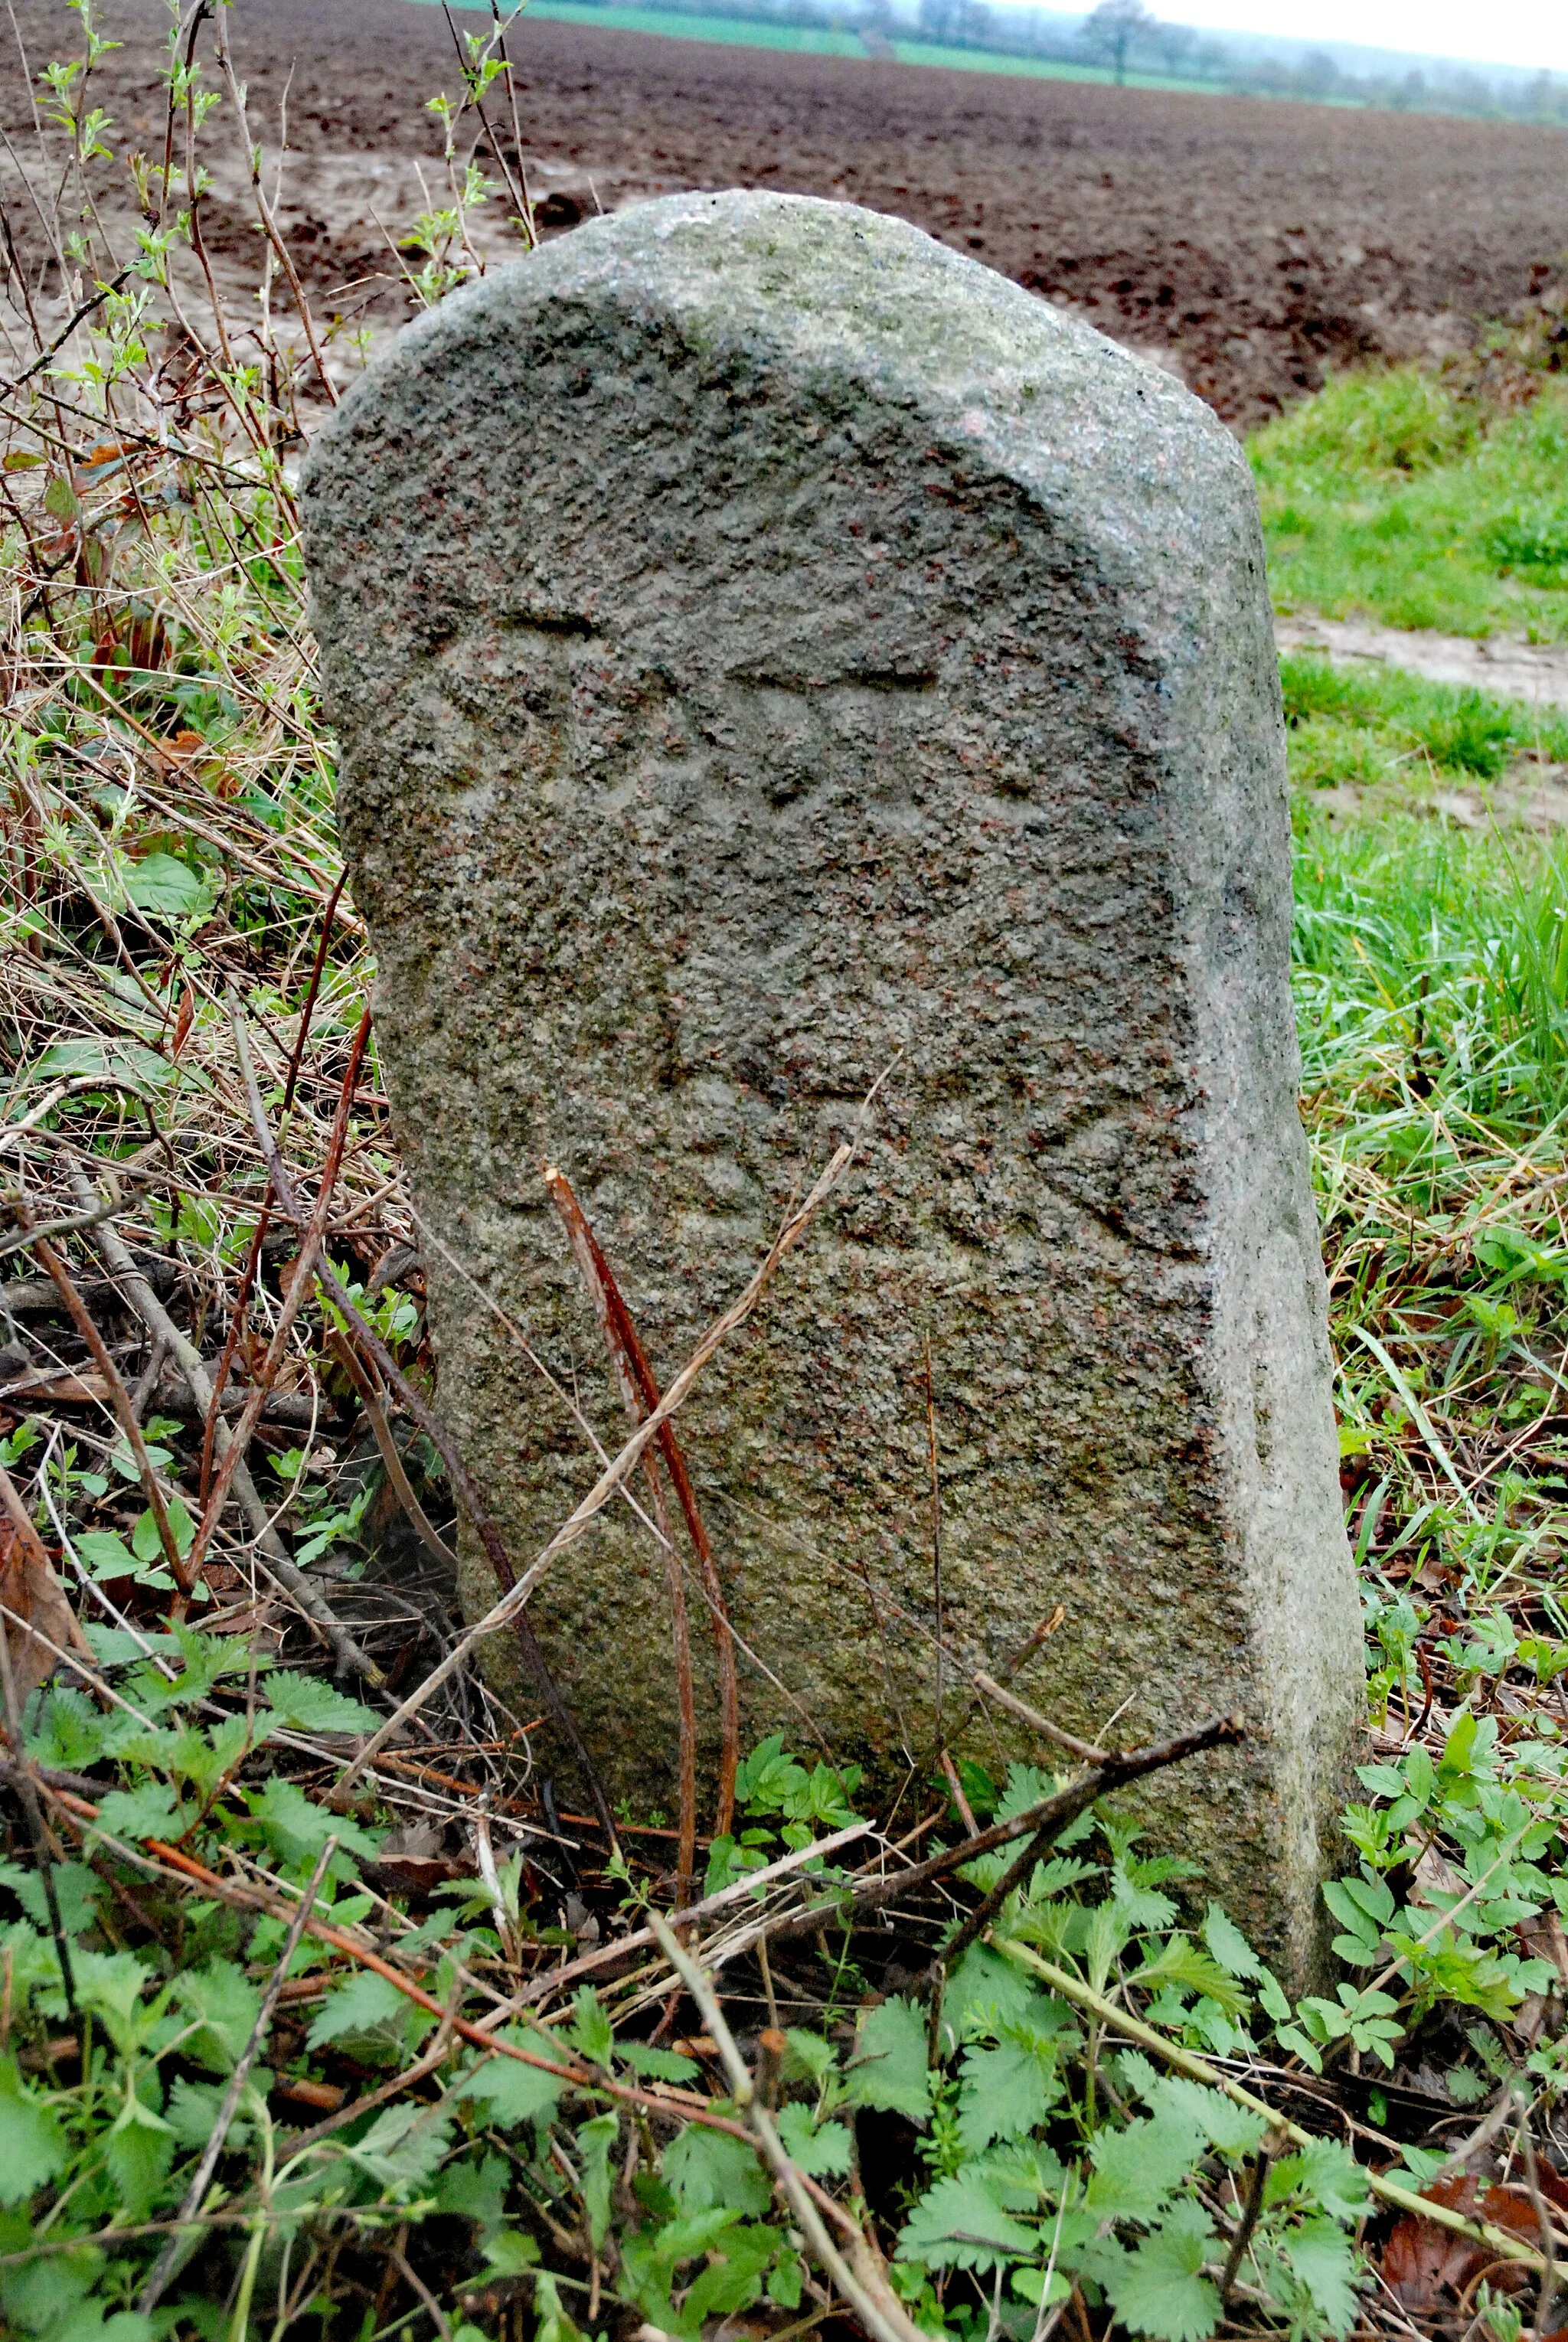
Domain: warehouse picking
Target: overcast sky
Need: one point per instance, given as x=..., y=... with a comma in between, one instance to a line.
x=1509, y=33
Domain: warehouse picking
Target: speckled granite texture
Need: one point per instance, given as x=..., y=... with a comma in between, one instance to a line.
x=765, y=643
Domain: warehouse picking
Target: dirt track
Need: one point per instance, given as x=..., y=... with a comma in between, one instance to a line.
x=1243, y=242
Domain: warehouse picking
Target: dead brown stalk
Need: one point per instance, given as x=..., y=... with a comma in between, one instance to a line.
x=293, y=1300
x=625, y=1353
x=274, y=1555
x=463, y=1483
x=183, y=1573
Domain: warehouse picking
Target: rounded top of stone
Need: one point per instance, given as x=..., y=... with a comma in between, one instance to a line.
x=831, y=294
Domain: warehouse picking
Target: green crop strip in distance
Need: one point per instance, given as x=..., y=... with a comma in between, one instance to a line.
x=1399, y=742
x=762, y=32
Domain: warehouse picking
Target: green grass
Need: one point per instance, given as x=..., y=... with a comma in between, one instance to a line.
x=932, y=52
x=1392, y=738
x=1431, y=980
x=1391, y=494
x=1431, y=973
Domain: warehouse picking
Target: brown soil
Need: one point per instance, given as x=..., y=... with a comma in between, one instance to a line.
x=1244, y=243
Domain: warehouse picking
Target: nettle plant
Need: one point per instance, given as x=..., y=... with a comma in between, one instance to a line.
x=1058, y=2161
x=1033, y=2156
x=1477, y=1826
x=1021, y=2147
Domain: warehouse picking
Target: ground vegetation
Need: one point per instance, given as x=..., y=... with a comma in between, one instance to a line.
x=1402, y=494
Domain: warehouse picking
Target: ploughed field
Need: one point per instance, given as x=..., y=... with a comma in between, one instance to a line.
x=1246, y=243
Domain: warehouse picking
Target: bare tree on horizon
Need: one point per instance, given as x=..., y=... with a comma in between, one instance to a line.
x=1110, y=31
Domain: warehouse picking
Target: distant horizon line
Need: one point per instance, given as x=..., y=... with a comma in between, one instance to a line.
x=839, y=28
x=1322, y=43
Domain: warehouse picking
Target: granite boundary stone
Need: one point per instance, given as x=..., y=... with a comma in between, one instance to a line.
x=766, y=644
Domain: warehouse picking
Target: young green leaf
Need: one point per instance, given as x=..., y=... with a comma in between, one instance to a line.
x=139, y=2153
x=960, y=2224
x=888, y=2068
x=1157, y=2288
x=402, y=2148
x=1142, y=1905
x=70, y=1731
x=590, y=2029
x=1007, y=2091
x=767, y=1776
x=193, y=2108
x=1322, y=2260
x=706, y=2169
x=363, y=2003
x=1231, y=2129
x=32, y=2146
x=810, y=2058
x=509, y=2091
x=167, y=888
x=150, y=1811
x=477, y=2192
x=824, y=2150
x=1026, y=1785
x=733, y=2279
x=596, y=2139
x=985, y=1991
x=78, y=1891
x=657, y=2064
x=299, y=1828
x=1137, y=2168
x=309, y=1705
x=1186, y=1966
x=1325, y=2174
x=1230, y=1946
x=105, y=1554
x=224, y=2004
x=510, y=2251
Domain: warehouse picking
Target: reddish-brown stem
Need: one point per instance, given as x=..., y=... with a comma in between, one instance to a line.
x=231, y=1344
x=966, y=1813
x=627, y=1347
x=614, y=1324
x=340, y=1349
x=463, y=1486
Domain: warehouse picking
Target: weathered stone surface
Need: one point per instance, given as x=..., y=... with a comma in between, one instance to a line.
x=765, y=643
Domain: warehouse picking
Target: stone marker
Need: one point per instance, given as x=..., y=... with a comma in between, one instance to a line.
x=766, y=645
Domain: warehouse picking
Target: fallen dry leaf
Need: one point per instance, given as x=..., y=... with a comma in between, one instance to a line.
x=1422, y=2263
x=183, y=1022
x=33, y=1594
x=57, y=1383
x=325, y=2097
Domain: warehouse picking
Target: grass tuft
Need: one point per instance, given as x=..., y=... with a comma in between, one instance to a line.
x=1376, y=729
x=1392, y=496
